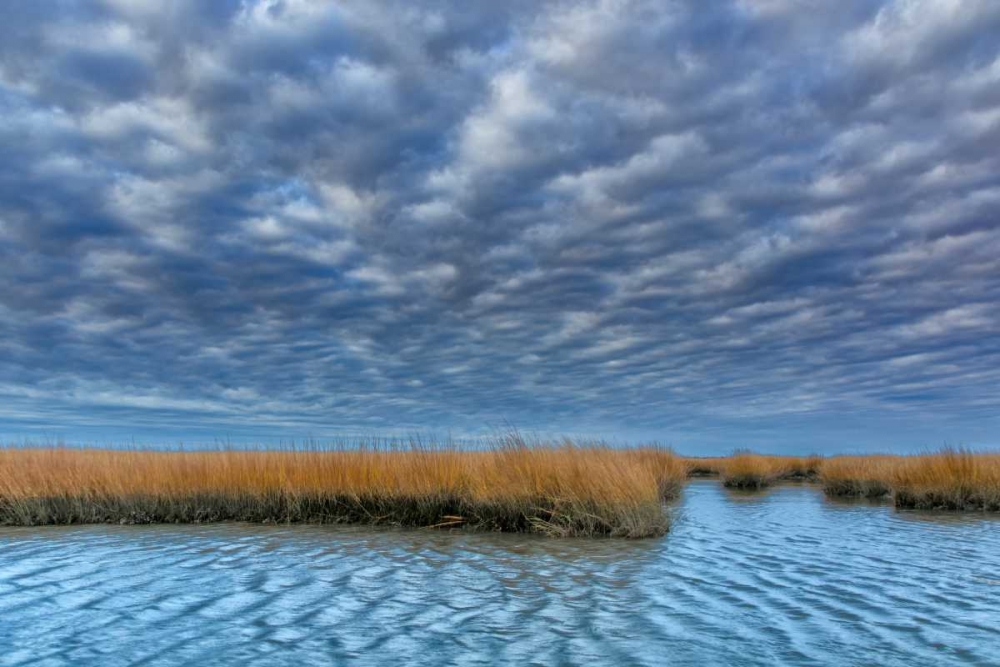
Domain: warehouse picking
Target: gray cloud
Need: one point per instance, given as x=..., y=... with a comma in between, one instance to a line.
x=770, y=223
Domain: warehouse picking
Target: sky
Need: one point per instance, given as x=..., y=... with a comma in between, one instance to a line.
x=747, y=223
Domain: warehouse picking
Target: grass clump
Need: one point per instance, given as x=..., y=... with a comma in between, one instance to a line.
x=564, y=489
x=704, y=466
x=858, y=476
x=745, y=470
x=805, y=468
x=951, y=479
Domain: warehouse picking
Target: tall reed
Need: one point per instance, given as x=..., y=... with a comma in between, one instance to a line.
x=564, y=489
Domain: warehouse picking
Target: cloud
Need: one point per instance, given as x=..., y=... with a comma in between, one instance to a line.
x=750, y=223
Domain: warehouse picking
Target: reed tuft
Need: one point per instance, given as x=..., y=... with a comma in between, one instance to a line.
x=747, y=470
x=858, y=476
x=951, y=479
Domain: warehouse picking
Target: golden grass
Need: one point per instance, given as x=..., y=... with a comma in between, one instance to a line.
x=704, y=466
x=751, y=471
x=563, y=489
x=950, y=479
x=746, y=470
x=859, y=476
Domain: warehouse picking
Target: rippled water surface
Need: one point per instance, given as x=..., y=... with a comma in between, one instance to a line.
x=784, y=577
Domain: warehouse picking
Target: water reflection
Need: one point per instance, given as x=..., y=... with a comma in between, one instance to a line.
x=946, y=518
x=782, y=577
x=853, y=503
x=748, y=496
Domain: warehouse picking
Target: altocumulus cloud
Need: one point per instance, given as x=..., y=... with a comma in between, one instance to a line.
x=763, y=222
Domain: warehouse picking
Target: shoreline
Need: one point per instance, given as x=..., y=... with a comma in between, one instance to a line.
x=559, y=490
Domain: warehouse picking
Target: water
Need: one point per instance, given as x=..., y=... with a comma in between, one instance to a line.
x=784, y=577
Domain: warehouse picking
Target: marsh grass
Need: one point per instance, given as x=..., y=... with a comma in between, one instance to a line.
x=747, y=470
x=952, y=479
x=859, y=476
x=564, y=489
x=703, y=466
x=561, y=489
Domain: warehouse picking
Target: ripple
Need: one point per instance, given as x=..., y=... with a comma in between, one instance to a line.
x=784, y=578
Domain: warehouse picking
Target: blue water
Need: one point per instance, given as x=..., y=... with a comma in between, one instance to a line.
x=780, y=578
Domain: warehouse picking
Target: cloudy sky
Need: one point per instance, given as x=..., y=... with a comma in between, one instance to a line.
x=767, y=223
